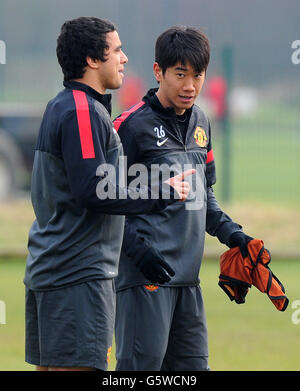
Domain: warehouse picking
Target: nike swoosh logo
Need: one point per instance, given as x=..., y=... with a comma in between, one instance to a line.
x=160, y=143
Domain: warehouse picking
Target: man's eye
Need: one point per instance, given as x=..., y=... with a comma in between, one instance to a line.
x=180, y=74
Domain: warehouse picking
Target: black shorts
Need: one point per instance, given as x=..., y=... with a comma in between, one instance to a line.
x=161, y=329
x=71, y=326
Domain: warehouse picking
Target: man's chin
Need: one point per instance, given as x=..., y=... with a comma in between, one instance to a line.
x=185, y=107
x=115, y=86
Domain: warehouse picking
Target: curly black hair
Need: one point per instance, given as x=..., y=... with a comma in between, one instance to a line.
x=81, y=38
x=180, y=44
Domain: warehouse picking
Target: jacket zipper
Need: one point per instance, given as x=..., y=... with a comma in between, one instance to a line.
x=178, y=131
x=177, y=135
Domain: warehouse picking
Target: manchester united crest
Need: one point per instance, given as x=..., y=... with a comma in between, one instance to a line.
x=200, y=137
x=151, y=287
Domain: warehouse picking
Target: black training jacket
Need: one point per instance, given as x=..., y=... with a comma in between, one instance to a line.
x=150, y=135
x=77, y=236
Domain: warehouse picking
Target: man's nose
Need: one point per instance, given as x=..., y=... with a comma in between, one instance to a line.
x=124, y=58
x=189, y=85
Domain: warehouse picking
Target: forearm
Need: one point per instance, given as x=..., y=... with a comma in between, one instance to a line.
x=122, y=200
x=134, y=245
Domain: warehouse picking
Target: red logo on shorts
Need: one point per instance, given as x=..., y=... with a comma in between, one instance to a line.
x=151, y=287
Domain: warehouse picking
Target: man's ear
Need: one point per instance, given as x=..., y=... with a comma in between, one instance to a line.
x=93, y=63
x=158, y=74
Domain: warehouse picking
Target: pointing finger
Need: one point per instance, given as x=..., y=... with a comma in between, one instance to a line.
x=184, y=174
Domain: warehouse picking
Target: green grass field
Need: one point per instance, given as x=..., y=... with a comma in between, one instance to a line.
x=251, y=336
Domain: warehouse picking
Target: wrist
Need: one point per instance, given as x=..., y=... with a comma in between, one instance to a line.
x=238, y=238
x=235, y=239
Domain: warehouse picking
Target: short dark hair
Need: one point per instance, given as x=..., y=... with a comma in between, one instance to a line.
x=81, y=38
x=180, y=44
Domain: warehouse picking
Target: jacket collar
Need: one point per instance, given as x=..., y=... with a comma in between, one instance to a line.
x=105, y=100
x=152, y=99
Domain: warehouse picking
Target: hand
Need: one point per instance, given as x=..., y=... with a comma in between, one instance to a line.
x=154, y=267
x=182, y=188
x=241, y=240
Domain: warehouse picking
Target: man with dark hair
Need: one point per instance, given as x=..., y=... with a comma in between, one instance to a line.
x=74, y=243
x=160, y=324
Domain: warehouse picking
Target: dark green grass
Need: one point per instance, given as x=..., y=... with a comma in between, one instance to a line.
x=251, y=336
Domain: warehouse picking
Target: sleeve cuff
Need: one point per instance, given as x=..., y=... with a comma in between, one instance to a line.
x=226, y=230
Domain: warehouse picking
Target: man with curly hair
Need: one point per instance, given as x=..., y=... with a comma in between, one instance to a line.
x=74, y=243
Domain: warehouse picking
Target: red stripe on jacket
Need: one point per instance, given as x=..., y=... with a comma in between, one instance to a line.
x=118, y=121
x=210, y=156
x=84, y=124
